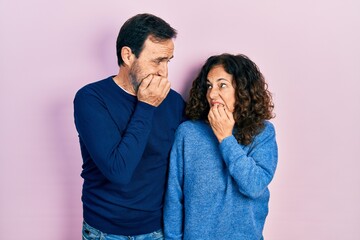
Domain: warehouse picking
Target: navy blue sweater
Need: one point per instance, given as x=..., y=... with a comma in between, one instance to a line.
x=125, y=147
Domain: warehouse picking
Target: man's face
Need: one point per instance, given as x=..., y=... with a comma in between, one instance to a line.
x=153, y=59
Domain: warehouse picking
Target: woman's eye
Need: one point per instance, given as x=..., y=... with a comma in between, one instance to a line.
x=208, y=86
x=222, y=85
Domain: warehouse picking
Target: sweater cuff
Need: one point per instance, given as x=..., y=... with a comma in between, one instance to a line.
x=230, y=149
x=145, y=109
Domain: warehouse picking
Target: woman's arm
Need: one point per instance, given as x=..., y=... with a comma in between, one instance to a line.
x=174, y=199
x=252, y=170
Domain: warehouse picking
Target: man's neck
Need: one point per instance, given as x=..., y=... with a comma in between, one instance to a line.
x=124, y=85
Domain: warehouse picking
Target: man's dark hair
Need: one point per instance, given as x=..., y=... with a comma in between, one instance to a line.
x=137, y=29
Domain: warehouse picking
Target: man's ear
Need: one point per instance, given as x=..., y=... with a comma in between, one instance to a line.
x=127, y=56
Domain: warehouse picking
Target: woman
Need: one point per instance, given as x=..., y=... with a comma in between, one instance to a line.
x=224, y=157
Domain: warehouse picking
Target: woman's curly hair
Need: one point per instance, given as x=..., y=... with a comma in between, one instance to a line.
x=253, y=101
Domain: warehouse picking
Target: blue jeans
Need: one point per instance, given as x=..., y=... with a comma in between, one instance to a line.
x=90, y=233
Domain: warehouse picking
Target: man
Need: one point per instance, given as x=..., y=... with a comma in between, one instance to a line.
x=126, y=125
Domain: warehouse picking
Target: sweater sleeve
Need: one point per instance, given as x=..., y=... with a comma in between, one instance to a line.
x=174, y=197
x=252, y=171
x=116, y=154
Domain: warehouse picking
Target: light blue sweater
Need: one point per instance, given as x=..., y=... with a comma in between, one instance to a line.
x=218, y=191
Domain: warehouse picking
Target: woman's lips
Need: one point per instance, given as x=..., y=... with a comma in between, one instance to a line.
x=214, y=103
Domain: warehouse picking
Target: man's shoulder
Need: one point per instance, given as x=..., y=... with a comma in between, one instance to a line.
x=174, y=101
x=173, y=94
x=96, y=84
x=95, y=87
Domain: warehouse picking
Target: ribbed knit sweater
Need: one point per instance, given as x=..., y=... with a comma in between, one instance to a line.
x=125, y=146
x=218, y=191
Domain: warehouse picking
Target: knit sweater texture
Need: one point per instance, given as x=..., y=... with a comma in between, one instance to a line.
x=218, y=191
x=125, y=146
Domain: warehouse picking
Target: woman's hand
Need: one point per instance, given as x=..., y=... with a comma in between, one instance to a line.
x=221, y=121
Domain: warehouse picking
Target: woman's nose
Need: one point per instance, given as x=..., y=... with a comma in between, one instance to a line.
x=213, y=93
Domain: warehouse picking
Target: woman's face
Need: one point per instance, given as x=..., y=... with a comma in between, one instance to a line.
x=220, y=89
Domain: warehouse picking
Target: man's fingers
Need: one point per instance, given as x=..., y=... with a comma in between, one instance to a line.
x=166, y=88
x=154, y=82
x=153, y=90
x=145, y=83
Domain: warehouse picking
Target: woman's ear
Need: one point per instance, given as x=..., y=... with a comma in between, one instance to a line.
x=127, y=56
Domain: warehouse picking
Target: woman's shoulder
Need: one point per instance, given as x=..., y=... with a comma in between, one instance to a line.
x=269, y=126
x=267, y=131
x=191, y=126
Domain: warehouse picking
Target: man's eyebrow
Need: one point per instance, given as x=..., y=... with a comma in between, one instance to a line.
x=164, y=58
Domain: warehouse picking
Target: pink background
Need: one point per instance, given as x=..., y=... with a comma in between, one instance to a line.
x=309, y=52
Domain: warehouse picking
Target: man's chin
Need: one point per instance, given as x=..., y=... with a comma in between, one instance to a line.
x=135, y=86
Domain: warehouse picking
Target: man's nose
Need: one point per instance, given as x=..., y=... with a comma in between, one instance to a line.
x=163, y=69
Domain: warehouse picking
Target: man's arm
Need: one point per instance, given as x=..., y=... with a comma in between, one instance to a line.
x=115, y=153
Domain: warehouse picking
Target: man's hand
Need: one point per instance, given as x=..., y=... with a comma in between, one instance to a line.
x=221, y=121
x=153, y=90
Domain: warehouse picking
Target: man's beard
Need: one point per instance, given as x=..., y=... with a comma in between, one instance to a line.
x=135, y=80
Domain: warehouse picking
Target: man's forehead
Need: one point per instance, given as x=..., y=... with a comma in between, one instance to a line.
x=163, y=49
